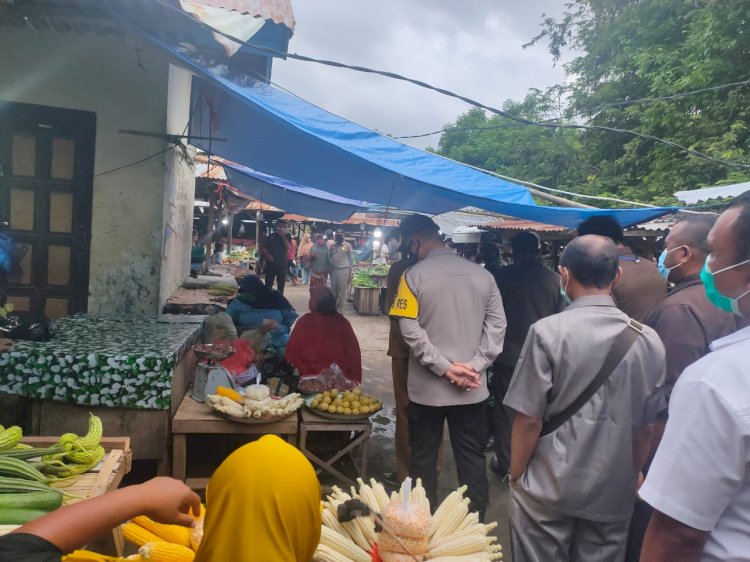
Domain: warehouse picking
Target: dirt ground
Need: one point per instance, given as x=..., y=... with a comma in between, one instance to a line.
x=372, y=333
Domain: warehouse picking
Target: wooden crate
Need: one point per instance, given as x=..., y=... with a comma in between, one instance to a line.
x=367, y=301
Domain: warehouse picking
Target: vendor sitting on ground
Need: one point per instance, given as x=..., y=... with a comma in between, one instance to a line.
x=282, y=526
x=322, y=337
x=255, y=304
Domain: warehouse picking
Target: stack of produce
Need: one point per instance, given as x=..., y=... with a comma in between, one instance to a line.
x=349, y=403
x=257, y=403
x=156, y=542
x=454, y=534
x=364, y=278
x=27, y=489
x=221, y=290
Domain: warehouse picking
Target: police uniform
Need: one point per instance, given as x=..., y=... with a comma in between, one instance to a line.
x=450, y=311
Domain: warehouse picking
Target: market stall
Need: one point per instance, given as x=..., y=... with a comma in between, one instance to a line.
x=39, y=474
x=132, y=372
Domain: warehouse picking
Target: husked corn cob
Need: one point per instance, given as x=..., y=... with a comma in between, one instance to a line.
x=327, y=554
x=468, y=544
x=470, y=520
x=176, y=534
x=477, y=557
x=166, y=552
x=452, y=519
x=380, y=494
x=353, y=530
x=446, y=507
x=331, y=521
x=230, y=393
x=343, y=546
x=138, y=535
x=10, y=437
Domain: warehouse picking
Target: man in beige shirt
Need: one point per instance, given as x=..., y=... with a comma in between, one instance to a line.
x=451, y=317
x=572, y=489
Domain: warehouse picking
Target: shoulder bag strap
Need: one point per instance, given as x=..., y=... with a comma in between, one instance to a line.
x=620, y=348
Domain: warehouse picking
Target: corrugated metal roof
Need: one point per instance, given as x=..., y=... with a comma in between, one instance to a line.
x=279, y=11
x=512, y=224
x=693, y=196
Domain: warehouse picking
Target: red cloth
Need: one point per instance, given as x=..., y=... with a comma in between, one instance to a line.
x=291, y=254
x=317, y=341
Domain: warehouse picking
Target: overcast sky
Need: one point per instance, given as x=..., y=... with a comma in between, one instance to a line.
x=471, y=47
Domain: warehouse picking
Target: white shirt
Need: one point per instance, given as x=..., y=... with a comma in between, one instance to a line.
x=700, y=474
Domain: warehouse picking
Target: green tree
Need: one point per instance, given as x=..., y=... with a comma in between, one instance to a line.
x=628, y=50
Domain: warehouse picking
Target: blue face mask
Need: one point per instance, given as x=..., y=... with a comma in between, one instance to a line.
x=720, y=301
x=661, y=264
x=564, y=291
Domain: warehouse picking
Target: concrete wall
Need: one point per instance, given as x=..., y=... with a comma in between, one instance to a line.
x=179, y=192
x=125, y=82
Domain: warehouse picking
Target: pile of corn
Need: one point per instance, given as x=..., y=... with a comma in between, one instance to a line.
x=456, y=535
x=156, y=542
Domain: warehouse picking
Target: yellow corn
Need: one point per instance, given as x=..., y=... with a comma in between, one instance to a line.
x=230, y=393
x=355, y=532
x=166, y=552
x=343, y=545
x=176, y=534
x=88, y=556
x=468, y=544
x=327, y=554
x=138, y=535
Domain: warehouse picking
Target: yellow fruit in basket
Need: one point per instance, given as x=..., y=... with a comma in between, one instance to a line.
x=346, y=404
x=339, y=409
x=357, y=391
x=323, y=407
x=347, y=411
x=355, y=411
x=355, y=405
x=364, y=410
x=314, y=404
x=327, y=400
x=333, y=393
x=331, y=409
x=348, y=396
x=366, y=401
x=338, y=402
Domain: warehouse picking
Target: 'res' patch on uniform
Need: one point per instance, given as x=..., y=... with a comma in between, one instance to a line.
x=405, y=305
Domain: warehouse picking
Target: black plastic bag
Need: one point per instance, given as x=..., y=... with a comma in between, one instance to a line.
x=24, y=326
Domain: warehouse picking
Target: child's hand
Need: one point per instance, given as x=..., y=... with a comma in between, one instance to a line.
x=170, y=501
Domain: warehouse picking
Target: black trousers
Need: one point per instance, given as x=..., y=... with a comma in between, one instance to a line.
x=277, y=272
x=468, y=434
x=502, y=416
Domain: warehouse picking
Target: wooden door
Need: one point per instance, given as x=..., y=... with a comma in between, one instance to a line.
x=46, y=179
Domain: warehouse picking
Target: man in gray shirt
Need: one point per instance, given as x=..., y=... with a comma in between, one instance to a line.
x=573, y=488
x=451, y=317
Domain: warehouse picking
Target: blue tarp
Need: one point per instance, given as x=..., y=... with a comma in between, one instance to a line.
x=271, y=130
x=290, y=196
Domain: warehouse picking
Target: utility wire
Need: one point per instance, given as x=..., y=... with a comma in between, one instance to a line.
x=136, y=163
x=465, y=99
x=586, y=111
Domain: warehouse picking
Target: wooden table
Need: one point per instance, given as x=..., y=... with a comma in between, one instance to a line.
x=103, y=478
x=192, y=418
x=362, y=430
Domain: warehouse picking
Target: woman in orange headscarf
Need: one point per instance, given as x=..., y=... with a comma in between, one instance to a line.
x=262, y=505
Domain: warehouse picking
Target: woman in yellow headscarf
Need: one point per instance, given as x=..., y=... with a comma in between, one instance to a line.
x=262, y=505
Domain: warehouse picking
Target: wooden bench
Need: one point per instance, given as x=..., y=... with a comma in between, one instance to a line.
x=193, y=418
x=311, y=422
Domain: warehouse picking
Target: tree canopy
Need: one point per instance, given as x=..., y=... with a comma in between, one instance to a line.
x=627, y=50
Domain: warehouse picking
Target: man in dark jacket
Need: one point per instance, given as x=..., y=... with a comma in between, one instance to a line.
x=530, y=292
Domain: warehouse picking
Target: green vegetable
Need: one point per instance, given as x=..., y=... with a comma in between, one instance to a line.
x=20, y=469
x=20, y=516
x=47, y=501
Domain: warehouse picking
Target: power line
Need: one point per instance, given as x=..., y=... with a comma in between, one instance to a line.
x=136, y=163
x=465, y=99
x=587, y=111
